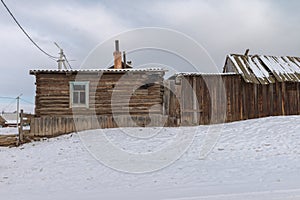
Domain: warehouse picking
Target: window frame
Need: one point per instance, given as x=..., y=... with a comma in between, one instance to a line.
x=86, y=87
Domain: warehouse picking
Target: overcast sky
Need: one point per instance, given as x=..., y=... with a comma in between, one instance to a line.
x=221, y=27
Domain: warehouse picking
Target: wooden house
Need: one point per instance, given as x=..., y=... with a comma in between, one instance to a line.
x=118, y=91
x=100, y=92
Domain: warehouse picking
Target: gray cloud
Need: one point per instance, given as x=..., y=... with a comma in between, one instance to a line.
x=222, y=27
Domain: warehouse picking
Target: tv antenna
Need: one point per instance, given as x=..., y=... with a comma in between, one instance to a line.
x=62, y=60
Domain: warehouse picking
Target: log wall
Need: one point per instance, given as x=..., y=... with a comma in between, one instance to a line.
x=135, y=93
x=9, y=140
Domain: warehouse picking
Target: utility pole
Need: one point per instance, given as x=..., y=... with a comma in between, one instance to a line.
x=18, y=108
x=61, y=61
x=62, y=58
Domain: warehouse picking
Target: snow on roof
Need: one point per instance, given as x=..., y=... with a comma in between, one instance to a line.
x=185, y=74
x=33, y=72
x=202, y=74
x=10, y=118
x=265, y=69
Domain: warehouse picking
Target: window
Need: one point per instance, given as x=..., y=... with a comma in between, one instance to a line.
x=79, y=94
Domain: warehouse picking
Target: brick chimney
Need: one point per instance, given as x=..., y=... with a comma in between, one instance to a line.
x=117, y=56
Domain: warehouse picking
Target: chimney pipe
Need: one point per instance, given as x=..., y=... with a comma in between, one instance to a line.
x=116, y=45
x=247, y=52
x=124, y=59
x=117, y=56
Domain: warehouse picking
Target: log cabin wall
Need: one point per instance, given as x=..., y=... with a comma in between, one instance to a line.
x=135, y=92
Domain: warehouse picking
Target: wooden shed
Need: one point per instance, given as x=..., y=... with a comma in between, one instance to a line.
x=10, y=119
x=249, y=87
x=98, y=92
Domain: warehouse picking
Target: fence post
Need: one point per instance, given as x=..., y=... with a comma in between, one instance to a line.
x=195, y=102
x=20, y=128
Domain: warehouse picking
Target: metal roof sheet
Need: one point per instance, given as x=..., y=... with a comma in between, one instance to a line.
x=96, y=70
x=266, y=69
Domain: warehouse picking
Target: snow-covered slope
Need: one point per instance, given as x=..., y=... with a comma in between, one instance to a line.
x=254, y=159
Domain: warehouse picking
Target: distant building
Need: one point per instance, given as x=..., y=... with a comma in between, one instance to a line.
x=2, y=121
x=10, y=119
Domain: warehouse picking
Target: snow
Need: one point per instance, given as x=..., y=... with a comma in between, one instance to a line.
x=273, y=65
x=252, y=65
x=286, y=68
x=253, y=159
x=257, y=68
x=235, y=63
x=292, y=63
x=203, y=74
x=8, y=131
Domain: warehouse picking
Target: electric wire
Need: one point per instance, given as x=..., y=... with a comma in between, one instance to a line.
x=7, y=106
x=1, y=97
x=67, y=61
x=24, y=100
x=19, y=25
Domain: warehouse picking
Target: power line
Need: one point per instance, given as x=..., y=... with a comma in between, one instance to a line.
x=35, y=44
x=7, y=106
x=26, y=101
x=7, y=98
x=67, y=62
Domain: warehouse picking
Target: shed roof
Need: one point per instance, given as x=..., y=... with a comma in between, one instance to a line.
x=51, y=71
x=265, y=69
x=188, y=74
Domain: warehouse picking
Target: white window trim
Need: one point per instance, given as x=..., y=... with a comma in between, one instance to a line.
x=87, y=94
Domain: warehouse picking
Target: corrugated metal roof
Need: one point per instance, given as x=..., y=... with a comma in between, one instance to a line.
x=265, y=69
x=95, y=70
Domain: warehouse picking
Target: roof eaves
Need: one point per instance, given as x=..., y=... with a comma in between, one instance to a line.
x=34, y=72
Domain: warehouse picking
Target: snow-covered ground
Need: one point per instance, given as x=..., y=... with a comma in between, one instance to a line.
x=8, y=131
x=254, y=159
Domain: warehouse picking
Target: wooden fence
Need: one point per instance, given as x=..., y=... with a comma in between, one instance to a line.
x=53, y=126
x=24, y=127
x=22, y=136
x=210, y=99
